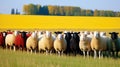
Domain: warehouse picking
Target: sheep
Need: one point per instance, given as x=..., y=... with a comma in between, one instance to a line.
x=31, y=42
x=4, y=35
x=85, y=44
x=107, y=40
x=46, y=42
x=74, y=43
x=10, y=39
x=111, y=46
x=98, y=43
x=2, y=39
x=20, y=40
x=115, y=43
x=60, y=44
x=67, y=37
x=24, y=36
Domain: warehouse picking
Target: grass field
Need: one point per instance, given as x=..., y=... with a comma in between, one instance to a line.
x=58, y=22
x=23, y=59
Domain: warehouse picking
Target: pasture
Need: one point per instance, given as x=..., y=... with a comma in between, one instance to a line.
x=23, y=59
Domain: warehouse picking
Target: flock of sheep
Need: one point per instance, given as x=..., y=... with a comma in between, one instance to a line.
x=84, y=42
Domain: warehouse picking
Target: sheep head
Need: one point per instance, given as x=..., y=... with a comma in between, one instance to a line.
x=83, y=37
x=60, y=36
x=48, y=34
x=96, y=34
x=34, y=35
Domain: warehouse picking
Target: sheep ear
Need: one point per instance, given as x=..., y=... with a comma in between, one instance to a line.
x=60, y=32
x=64, y=33
x=78, y=32
x=72, y=33
x=55, y=32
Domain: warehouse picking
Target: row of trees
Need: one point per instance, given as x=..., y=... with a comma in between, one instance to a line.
x=13, y=11
x=32, y=9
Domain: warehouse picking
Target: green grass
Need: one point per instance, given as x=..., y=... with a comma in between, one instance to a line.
x=23, y=59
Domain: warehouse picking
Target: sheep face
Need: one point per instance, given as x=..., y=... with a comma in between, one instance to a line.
x=82, y=37
x=96, y=34
x=60, y=36
x=86, y=32
x=34, y=35
x=114, y=35
x=4, y=34
x=102, y=34
x=48, y=34
x=39, y=33
x=16, y=32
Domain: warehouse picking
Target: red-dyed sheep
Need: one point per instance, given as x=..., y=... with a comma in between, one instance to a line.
x=19, y=41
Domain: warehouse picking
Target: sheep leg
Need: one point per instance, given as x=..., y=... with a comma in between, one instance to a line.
x=116, y=53
x=10, y=48
x=28, y=51
x=102, y=54
x=35, y=51
x=107, y=53
x=95, y=54
x=50, y=52
x=68, y=51
x=6, y=47
x=31, y=51
x=75, y=52
x=87, y=53
x=62, y=53
x=110, y=54
x=59, y=53
x=99, y=54
x=46, y=52
x=14, y=48
x=113, y=54
x=39, y=51
x=84, y=53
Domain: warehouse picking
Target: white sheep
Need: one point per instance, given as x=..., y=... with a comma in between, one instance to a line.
x=60, y=44
x=31, y=42
x=85, y=44
x=9, y=40
x=46, y=42
x=107, y=41
x=98, y=43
